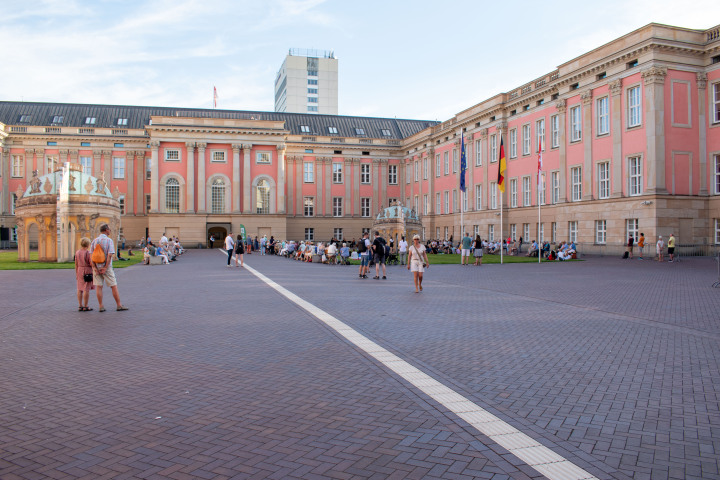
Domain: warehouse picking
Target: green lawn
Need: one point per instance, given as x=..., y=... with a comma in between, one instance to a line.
x=8, y=261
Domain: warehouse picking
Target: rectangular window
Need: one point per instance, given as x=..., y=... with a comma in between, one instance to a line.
x=86, y=164
x=13, y=201
x=555, y=131
x=305, y=128
x=493, y=196
x=634, y=107
x=716, y=103
x=513, y=231
x=359, y=131
x=416, y=203
x=455, y=201
x=260, y=157
x=513, y=193
x=337, y=172
x=493, y=149
x=437, y=165
x=425, y=168
x=542, y=189
x=309, y=234
x=120, y=121
x=513, y=143
x=148, y=168
x=555, y=178
x=576, y=183
x=526, y=139
x=338, y=233
x=446, y=233
x=312, y=82
x=603, y=116
x=478, y=197
x=118, y=167
x=312, y=108
x=18, y=167
x=337, y=207
x=464, y=201
x=635, y=176
x=476, y=231
x=312, y=100
x=385, y=132
x=308, y=172
x=52, y=163
x=392, y=174
x=147, y=203
x=455, y=160
x=572, y=231
x=478, y=153
x=313, y=90
x=437, y=233
x=426, y=204
x=416, y=167
x=438, y=204
x=172, y=155
x=332, y=130
x=540, y=134
x=491, y=233
x=717, y=231
x=604, y=180
x=446, y=197
x=392, y=201
x=631, y=228
x=575, y=124
x=541, y=236
x=446, y=162
x=527, y=192
x=365, y=173
x=309, y=206
x=553, y=232
x=90, y=120
x=601, y=232
x=218, y=156
x=526, y=232
x=365, y=207
x=717, y=174
x=121, y=199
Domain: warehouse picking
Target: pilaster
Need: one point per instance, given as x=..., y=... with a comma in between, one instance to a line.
x=129, y=164
x=484, y=144
x=588, y=170
x=561, y=106
x=327, y=185
x=281, y=149
x=375, y=179
x=247, y=191
x=236, y=178
x=154, y=180
x=356, y=187
x=347, y=178
x=140, y=209
x=654, y=80
x=97, y=163
x=702, y=122
x=201, y=178
x=617, y=157
x=5, y=197
x=29, y=164
x=290, y=167
x=431, y=180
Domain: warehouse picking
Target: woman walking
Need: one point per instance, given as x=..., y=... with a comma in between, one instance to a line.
x=417, y=262
x=478, y=250
x=239, y=251
x=83, y=272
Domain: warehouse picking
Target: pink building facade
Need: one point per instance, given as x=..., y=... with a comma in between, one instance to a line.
x=630, y=134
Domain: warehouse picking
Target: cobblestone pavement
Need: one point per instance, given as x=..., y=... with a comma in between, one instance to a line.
x=212, y=374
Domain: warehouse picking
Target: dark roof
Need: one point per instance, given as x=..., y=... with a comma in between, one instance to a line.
x=74, y=115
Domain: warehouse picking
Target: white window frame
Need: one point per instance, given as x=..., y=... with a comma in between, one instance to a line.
x=308, y=172
x=119, y=167
x=446, y=162
x=602, y=107
x=478, y=197
x=172, y=155
x=717, y=174
x=217, y=196
x=438, y=166
x=172, y=195
x=338, y=233
x=491, y=233
x=575, y=123
x=455, y=160
x=263, y=158
x=219, y=156
x=86, y=164
x=527, y=192
x=540, y=134
x=493, y=149
x=576, y=183
x=438, y=203
x=18, y=166
x=476, y=231
x=446, y=200
x=572, y=231
x=309, y=234
x=51, y=163
x=635, y=177
x=426, y=204
x=308, y=206
x=456, y=207
x=337, y=172
x=337, y=206
x=542, y=188
x=632, y=226
x=365, y=206
x=513, y=231
x=513, y=193
x=526, y=139
x=478, y=153
x=493, y=196
x=553, y=232
x=464, y=196
x=717, y=231
x=392, y=174
x=425, y=168
x=13, y=202
x=601, y=232
x=416, y=203
x=555, y=185
x=416, y=168
x=603, y=180
x=526, y=232
x=513, y=143
x=555, y=131
x=715, y=102
x=634, y=106
x=365, y=173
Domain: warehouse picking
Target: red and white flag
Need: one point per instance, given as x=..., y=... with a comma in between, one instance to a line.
x=215, y=97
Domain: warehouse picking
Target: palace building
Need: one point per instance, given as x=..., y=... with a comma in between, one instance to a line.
x=630, y=134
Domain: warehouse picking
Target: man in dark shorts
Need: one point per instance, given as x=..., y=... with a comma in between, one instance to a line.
x=378, y=247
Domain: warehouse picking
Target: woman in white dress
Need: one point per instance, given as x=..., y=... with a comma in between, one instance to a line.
x=417, y=262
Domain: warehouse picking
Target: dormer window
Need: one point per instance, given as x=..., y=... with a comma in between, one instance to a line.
x=90, y=120
x=333, y=130
x=305, y=128
x=385, y=132
x=24, y=118
x=122, y=121
x=359, y=131
x=57, y=119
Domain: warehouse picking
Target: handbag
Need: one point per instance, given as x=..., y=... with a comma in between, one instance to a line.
x=88, y=277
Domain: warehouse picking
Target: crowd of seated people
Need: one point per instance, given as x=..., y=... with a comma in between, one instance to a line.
x=168, y=250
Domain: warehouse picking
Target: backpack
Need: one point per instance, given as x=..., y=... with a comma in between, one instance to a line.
x=362, y=248
x=98, y=255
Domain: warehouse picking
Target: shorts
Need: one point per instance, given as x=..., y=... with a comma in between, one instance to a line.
x=108, y=277
x=478, y=252
x=364, y=260
x=379, y=259
x=465, y=252
x=417, y=267
x=671, y=250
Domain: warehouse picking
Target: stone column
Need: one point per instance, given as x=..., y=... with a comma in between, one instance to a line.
x=73, y=156
x=281, y=149
x=320, y=206
x=140, y=176
x=382, y=187
x=588, y=172
x=654, y=80
x=190, y=178
x=485, y=145
x=702, y=121
x=470, y=180
x=107, y=166
x=154, y=180
x=299, y=181
x=290, y=167
x=29, y=165
x=97, y=163
x=375, y=180
x=5, y=197
x=201, y=178
x=431, y=180
x=247, y=181
x=347, y=178
x=561, y=106
x=617, y=156
x=327, y=185
x=129, y=163
x=356, y=186
x=236, y=178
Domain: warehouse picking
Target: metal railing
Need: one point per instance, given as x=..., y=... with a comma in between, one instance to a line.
x=617, y=249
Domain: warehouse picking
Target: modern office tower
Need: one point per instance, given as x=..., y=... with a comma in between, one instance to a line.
x=307, y=82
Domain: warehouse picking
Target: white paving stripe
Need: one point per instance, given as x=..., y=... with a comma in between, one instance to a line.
x=539, y=457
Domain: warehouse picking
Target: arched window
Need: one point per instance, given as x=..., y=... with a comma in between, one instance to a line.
x=263, y=197
x=172, y=196
x=218, y=196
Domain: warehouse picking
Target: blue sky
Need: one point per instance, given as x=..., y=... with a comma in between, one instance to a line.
x=407, y=59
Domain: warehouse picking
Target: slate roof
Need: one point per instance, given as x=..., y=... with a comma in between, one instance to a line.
x=74, y=115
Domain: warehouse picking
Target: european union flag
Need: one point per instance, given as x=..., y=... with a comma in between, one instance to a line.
x=463, y=161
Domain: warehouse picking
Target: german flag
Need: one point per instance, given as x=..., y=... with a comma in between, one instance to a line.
x=502, y=167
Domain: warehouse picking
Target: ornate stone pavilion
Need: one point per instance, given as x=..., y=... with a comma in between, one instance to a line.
x=397, y=221
x=61, y=208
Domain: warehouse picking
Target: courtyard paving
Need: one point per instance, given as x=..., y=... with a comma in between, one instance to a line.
x=612, y=364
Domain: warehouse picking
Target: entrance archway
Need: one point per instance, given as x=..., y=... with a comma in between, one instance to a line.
x=219, y=234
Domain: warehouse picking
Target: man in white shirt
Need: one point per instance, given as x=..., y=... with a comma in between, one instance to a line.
x=164, y=240
x=229, y=247
x=403, y=249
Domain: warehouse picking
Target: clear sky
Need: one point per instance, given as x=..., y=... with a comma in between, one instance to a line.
x=416, y=59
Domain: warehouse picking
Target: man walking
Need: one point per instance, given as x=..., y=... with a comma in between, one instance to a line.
x=403, y=250
x=378, y=247
x=364, y=249
x=229, y=247
x=103, y=272
x=641, y=245
x=465, y=251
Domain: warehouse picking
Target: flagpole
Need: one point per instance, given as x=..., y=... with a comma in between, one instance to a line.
x=539, y=240
x=502, y=236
